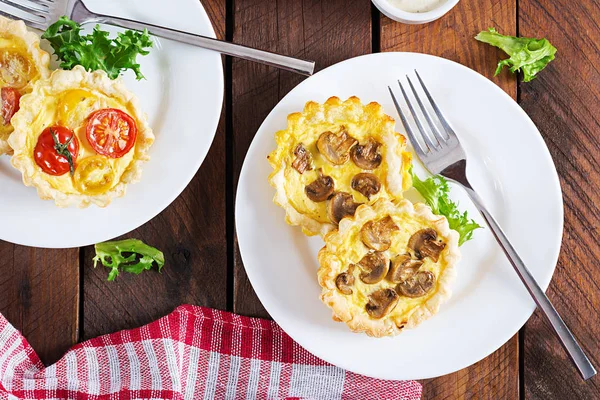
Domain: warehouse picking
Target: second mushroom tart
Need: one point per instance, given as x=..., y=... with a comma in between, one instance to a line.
x=80, y=138
x=389, y=267
x=333, y=157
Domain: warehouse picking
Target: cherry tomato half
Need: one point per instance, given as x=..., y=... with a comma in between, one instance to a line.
x=94, y=175
x=111, y=132
x=10, y=103
x=46, y=155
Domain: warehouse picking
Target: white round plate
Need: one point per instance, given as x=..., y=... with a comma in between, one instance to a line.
x=509, y=165
x=182, y=95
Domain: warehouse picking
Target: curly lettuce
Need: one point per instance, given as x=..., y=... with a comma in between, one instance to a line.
x=529, y=55
x=435, y=192
x=128, y=255
x=97, y=51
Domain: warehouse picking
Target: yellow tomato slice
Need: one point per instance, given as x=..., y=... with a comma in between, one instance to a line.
x=16, y=70
x=74, y=106
x=94, y=175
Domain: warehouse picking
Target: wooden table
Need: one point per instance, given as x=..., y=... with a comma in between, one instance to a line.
x=57, y=298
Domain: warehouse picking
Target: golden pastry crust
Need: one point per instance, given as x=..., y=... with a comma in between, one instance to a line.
x=24, y=137
x=344, y=248
x=362, y=123
x=30, y=43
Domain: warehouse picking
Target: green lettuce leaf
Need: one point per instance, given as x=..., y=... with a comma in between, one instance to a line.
x=529, y=55
x=435, y=192
x=129, y=255
x=97, y=51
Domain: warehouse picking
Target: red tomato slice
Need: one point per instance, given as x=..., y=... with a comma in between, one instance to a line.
x=10, y=103
x=46, y=156
x=111, y=132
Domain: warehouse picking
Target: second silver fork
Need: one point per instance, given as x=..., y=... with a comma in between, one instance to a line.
x=444, y=155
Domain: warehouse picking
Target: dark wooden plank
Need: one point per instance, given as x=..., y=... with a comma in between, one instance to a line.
x=563, y=102
x=322, y=30
x=39, y=294
x=497, y=376
x=191, y=233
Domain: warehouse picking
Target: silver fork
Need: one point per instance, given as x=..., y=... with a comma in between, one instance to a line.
x=443, y=155
x=40, y=14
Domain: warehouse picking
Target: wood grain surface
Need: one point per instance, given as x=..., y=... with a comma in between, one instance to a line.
x=497, y=376
x=563, y=103
x=57, y=298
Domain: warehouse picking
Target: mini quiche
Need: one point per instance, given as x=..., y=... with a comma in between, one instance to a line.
x=388, y=268
x=333, y=157
x=21, y=63
x=80, y=138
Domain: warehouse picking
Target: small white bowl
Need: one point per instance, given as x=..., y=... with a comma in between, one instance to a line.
x=413, y=17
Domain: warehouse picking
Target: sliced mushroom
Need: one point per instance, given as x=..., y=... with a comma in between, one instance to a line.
x=381, y=303
x=345, y=281
x=417, y=286
x=403, y=268
x=374, y=267
x=341, y=205
x=335, y=147
x=377, y=235
x=302, y=161
x=366, y=156
x=320, y=189
x=425, y=244
x=366, y=183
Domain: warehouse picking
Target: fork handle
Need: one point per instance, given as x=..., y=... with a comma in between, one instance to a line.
x=583, y=364
x=83, y=15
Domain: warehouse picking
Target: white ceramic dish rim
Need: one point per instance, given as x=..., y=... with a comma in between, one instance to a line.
x=415, y=18
x=544, y=281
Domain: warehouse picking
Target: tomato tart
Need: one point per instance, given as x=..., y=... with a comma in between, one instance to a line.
x=332, y=157
x=80, y=138
x=22, y=62
x=389, y=267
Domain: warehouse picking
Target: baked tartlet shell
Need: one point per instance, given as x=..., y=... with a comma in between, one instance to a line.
x=355, y=317
x=60, y=81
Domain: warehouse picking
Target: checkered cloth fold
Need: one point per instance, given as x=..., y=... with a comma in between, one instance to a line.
x=192, y=353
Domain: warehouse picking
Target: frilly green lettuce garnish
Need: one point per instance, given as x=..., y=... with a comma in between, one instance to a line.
x=529, y=55
x=435, y=192
x=96, y=51
x=129, y=255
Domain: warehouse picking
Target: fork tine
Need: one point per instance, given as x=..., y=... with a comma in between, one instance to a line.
x=437, y=110
x=29, y=22
x=28, y=6
x=25, y=13
x=424, y=134
x=413, y=139
x=440, y=139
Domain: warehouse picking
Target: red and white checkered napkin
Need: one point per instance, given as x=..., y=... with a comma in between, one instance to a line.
x=192, y=353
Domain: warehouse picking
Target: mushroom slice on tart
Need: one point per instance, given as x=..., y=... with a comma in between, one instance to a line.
x=367, y=156
x=320, y=189
x=22, y=62
x=371, y=275
x=346, y=146
x=80, y=138
x=377, y=235
x=375, y=267
x=424, y=243
x=340, y=205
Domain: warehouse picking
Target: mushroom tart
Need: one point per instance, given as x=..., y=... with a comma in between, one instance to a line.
x=334, y=157
x=389, y=267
